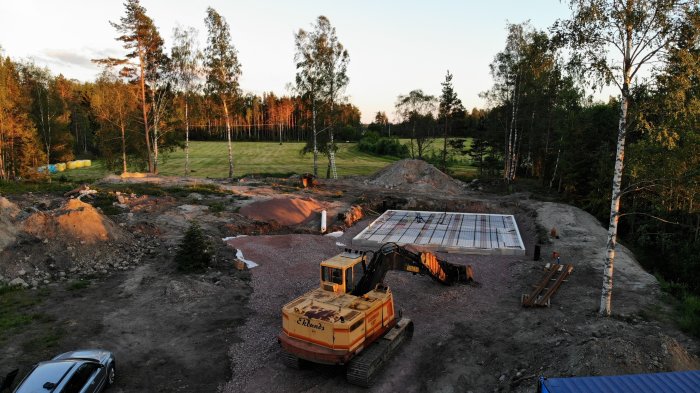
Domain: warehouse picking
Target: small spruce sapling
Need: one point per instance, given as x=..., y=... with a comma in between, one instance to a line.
x=194, y=252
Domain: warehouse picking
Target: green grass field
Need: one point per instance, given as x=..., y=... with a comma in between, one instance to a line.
x=210, y=159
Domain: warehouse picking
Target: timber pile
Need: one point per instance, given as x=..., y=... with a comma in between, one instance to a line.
x=554, y=276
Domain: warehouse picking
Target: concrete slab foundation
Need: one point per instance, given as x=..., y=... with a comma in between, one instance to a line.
x=462, y=233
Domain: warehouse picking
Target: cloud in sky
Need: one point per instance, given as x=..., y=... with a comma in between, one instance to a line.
x=66, y=57
x=73, y=62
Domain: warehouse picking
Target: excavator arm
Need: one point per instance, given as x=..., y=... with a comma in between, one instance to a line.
x=391, y=256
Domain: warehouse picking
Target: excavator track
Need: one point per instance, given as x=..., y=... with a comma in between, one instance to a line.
x=292, y=361
x=364, y=368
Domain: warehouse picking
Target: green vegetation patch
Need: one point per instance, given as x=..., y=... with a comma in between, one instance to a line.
x=76, y=285
x=35, y=186
x=16, y=310
x=689, y=319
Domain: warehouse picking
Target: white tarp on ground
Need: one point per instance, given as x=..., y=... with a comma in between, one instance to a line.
x=239, y=254
x=248, y=262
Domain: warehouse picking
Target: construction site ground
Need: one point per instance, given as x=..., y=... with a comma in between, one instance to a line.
x=217, y=331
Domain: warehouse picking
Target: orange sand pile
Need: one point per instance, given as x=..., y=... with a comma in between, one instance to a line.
x=285, y=211
x=76, y=220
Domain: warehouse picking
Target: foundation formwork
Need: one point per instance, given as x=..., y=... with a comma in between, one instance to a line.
x=463, y=233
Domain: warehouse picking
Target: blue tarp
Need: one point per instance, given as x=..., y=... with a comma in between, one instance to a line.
x=674, y=382
x=52, y=169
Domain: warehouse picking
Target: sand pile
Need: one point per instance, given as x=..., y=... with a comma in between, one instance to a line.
x=76, y=220
x=285, y=211
x=8, y=231
x=415, y=175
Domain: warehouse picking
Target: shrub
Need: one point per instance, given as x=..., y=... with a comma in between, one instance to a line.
x=690, y=315
x=372, y=143
x=194, y=252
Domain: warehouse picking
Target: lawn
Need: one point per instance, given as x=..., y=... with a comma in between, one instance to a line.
x=210, y=159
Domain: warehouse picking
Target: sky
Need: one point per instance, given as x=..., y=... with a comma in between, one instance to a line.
x=394, y=46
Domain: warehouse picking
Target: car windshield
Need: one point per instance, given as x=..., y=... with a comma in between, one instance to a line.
x=80, y=378
x=46, y=372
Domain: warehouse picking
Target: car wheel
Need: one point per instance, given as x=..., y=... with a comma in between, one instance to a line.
x=111, y=375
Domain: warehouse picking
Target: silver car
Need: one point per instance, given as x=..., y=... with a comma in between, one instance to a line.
x=82, y=371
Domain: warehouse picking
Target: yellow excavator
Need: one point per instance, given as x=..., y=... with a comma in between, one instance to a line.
x=350, y=319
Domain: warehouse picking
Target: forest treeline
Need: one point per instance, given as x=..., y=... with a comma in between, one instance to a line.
x=50, y=118
x=150, y=102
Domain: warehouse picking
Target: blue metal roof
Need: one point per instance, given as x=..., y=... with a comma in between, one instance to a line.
x=675, y=382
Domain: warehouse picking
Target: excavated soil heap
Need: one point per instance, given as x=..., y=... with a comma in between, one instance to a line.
x=285, y=211
x=76, y=220
x=8, y=231
x=415, y=174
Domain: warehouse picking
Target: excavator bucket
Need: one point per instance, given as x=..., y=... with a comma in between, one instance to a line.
x=443, y=271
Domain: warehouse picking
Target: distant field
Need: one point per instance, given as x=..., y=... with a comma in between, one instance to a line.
x=210, y=159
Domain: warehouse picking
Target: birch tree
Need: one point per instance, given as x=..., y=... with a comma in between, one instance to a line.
x=335, y=59
x=612, y=41
x=186, y=58
x=223, y=70
x=414, y=108
x=506, y=71
x=321, y=77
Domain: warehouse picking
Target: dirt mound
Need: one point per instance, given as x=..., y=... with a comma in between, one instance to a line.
x=415, y=174
x=8, y=231
x=76, y=220
x=285, y=211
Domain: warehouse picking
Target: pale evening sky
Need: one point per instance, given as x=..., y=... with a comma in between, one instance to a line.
x=394, y=46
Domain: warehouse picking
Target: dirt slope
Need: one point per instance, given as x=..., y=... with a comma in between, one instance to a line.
x=8, y=230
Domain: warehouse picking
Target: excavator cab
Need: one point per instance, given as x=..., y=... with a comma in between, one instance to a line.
x=341, y=273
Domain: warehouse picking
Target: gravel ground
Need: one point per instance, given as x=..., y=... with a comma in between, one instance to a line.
x=289, y=268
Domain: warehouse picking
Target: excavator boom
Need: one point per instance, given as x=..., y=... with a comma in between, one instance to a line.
x=391, y=256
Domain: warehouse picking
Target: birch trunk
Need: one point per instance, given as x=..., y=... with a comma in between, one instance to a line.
x=156, y=109
x=124, y=168
x=143, y=107
x=228, y=137
x=187, y=140
x=511, y=132
x=413, y=136
x=444, y=144
x=313, y=126
x=606, y=292
x=2, y=154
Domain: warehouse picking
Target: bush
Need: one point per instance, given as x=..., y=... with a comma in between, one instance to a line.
x=372, y=143
x=690, y=315
x=194, y=252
